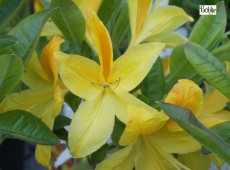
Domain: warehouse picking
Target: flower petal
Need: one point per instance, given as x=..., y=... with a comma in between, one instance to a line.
x=79, y=74
x=101, y=41
x=91, y=125
x=48, y=61
x=141, y=123
x=129, y=99
x=35, y=77
x=132, y=67
x=120, y=160
x=187, y=94
x=43, y=155
x=163, y=20
x=171, y=39
x=138, y=11
x=175, y=142
x=88, y=5
x=212, y=105
x=212, y=119
x=38, y=102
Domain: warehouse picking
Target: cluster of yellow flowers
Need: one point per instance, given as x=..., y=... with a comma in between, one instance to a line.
x=150, y=137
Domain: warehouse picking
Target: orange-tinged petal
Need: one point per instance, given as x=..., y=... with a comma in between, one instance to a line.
x=138, y=11
x=132, y=67
x=35, y=77
x=91, y=125
x=48, y=61
x=102, y=42
x=121, y=160
x=79, y=74
x=186, y=94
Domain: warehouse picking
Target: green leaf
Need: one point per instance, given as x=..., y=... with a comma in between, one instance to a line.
x=23, y=125
x=73, y=101
x=223, y=130
x=186, y=119
x=222, y=52
x=117, y=132
x=98, y=156
x=180, y=68
x=208, y=67
x=121, y=26
x=61, y=121
x=61, y=134
x=11, y=70
x=70, y=21
x=8, y=9
x=209, y=30
x=27, y=32
x=153, y=86
x=7, y=40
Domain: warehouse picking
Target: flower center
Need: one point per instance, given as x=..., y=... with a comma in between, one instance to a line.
x=108, y=86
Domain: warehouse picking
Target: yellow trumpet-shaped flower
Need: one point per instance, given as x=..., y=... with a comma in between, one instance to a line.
x=142, y=152
x=209, y=109
x=104, y=87
x=157, y=25
x=44, y=98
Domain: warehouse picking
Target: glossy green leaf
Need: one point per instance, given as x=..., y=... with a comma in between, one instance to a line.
x=121, y=26
x=209, y=67
x=98, y=156
x=223, y=130
x=11, y=70
x=180, y=68
x=61, y=121
x=70, y=21
x=188, y=121
x=27, y=32
x=7, y=40
x=61, y=134
x=209, y=30
x=8, y=9
x=153, y=86
x=23, y=125
x=73, y=101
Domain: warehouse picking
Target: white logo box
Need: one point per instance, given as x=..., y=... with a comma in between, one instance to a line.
x=207, y=9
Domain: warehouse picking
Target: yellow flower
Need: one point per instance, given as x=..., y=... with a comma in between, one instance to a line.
x=141, y=152
x=105, y=87
x=157, y=25
x=44, y=98
x=208, y=109
x=38, y=6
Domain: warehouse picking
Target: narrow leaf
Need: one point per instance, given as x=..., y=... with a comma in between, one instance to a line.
x=153, y=86
x=23, y=125
x=8, y=9
x=11, y=70
x=70, y=21
x=186, y=119
x=208, y=67
x=222, y=52
x=209, y=30
x=27, y=32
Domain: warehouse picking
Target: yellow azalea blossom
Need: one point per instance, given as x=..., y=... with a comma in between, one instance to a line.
x=157, y=25
x=141, y=152
x=104, y=87
x=209, y=109
x=44, y=98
